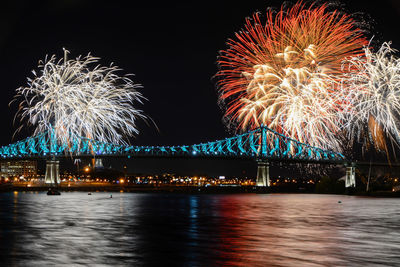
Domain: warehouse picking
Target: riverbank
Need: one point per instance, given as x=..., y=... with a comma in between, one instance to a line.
x=140, y=189
x=182, y=189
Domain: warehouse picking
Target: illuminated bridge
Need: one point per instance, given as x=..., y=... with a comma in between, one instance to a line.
x=262, y=144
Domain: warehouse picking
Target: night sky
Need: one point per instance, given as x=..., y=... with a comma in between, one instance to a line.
x=171, y=48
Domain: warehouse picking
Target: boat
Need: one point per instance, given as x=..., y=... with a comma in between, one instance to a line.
x=53, y=192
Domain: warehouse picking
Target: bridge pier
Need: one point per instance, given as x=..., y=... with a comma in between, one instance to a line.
x=52, y=175
x=98, y=163
x=350, y=176
x=262, y=173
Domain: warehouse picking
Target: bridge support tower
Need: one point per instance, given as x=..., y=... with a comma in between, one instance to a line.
x=52, y=175
x=350, y=176
x=98, y=163
x=263, y=173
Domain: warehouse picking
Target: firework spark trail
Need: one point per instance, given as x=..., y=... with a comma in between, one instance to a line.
x=372, y=86
x=284, y=73
x=79, y=101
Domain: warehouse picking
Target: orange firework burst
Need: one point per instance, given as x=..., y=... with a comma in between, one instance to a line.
x=284, y=73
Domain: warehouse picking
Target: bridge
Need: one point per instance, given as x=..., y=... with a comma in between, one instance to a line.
x=262, y=144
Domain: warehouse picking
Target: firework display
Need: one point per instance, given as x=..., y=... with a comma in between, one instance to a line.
x=372, y=84
x=285, y=73
x=74, y=100
x=305, y=71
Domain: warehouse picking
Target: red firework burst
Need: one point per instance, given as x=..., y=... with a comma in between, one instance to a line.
x=283, y=73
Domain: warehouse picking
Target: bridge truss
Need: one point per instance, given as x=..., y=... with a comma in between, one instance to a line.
x=261, y=144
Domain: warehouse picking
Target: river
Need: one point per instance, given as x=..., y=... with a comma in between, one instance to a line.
x=145, y=229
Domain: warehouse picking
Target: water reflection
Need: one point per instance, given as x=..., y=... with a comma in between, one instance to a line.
x=198, y=230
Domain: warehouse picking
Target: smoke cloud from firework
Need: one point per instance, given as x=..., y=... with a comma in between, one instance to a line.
x=79, y=98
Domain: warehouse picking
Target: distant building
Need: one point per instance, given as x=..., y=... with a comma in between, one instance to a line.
x=11, y=168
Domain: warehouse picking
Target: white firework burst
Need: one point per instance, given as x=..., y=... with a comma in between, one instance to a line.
x=372, y=88
x=79, y=98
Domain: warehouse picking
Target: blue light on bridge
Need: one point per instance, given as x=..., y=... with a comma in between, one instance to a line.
x=262, y=143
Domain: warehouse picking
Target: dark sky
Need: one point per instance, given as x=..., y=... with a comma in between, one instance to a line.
x=170, y=47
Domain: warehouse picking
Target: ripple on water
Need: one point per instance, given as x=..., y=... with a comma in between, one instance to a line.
x=198, y=230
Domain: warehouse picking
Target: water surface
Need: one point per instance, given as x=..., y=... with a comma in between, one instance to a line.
x=198, y=230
